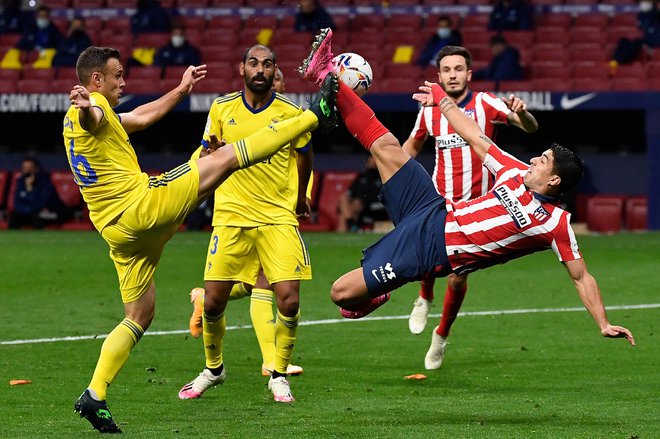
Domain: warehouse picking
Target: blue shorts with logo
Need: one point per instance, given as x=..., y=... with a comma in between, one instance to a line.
x=415, y=249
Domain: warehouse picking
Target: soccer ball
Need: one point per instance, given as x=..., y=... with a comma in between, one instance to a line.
x=354, y=71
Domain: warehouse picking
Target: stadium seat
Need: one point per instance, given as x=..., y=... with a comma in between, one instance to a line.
x=152, y=73
x=224, y=23
x=628, y=84
x=560, y=19
x=4, y=178
x=403, y=71
x=8, y=87
x=550, y=72
x=121, y=3
x=374, y=39
x=38, y=74
x=482, y=86
x=155, y=40
x=257, y=22
x=637, y=212
x=62, y=85
x=363, y=21
x=518, y=38
x=591, y=20
x=623, y=19
x=398, y=85
x=119, y=25
x=477, y=21
x=605, y=213
x=32, y=86
x=221, y=39
x=551, y=84
x=334, y=184
x=411, y=22
x=88, y=4
x=551, y=34
x=591, y=84
x=635, y=70
x=591, y=34
x=66, y=188
x=586, y=71
x=9, y=75
x=212, y=54
x=514, y=86
x=555, y=55
x=548, y=2
x=580, y=2
x=615, y=33
x=588, y=52
x=343, y=22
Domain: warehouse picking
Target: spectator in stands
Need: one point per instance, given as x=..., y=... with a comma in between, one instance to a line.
x=12, y=19
x=648, y=21
x=511, y=15
x=178, y=52
x=36, y=202
x=505, y=64
x=360, y=207
x=150, y=16
x=444, y=35
x=40, y=34
x=279, y=85
x=72, y=45
x=312, y=17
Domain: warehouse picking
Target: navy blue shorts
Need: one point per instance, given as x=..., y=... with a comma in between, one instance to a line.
x=415, y=249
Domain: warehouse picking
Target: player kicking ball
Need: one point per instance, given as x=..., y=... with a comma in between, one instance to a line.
x=432, y=236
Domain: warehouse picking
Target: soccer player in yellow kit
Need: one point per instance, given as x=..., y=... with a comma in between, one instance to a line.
x=261, y=295
x=137, y=214
x=255, y=224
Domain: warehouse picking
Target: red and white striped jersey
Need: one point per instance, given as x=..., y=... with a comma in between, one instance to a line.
x=458, y=173
x=508, y=222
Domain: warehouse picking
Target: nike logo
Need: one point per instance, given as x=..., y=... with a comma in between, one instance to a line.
x=375, y=273
x=570, y=103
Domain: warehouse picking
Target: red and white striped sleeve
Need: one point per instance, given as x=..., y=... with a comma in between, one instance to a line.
x=420, y=131
x=498, y=162
x=496, y=109
x=564, y=244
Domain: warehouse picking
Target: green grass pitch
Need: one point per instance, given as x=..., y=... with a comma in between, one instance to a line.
x=533, y=374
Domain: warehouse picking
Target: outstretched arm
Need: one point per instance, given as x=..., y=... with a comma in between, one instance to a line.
x=89, y=116
x=150, y=113
x=433, y=94
x=587, y=288
x=519, y=115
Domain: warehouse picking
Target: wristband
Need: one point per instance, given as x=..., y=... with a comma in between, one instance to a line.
x=438, y=93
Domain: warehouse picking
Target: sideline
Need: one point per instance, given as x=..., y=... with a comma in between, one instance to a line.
x=335, y=321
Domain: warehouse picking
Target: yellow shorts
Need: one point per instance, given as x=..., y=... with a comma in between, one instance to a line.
x=138, y=236
x=237, y=253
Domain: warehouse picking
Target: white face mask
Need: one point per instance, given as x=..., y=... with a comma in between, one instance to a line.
x=42, y=23
x=444, y=32
x=177, y=40
x=645, y=6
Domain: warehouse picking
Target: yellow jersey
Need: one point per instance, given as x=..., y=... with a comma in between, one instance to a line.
x=267, y=192
x=103, y=163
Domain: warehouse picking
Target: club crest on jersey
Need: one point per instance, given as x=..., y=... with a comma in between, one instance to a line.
x=541, y=214
x=452, y=140
x=469, y=113
x=513, y=206
x=384, y=273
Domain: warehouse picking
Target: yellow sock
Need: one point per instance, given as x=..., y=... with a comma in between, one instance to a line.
x=285, y=337
x=263, y=321
x=238, y=291
x=267, y=141
x=114, y=354
x=214, y=332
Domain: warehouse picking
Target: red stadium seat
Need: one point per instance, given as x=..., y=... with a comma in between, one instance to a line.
x=581, y=2
x=615, y=33
x=343, y=22
x=482, y=85
x=605, y=213
x=398, y=85
x=403, y=72
x=411, y=22
x=560, y=19
x=591, y=84
x=553, y=55
x=591, y=20
x=654, y=84
x=334, y=184
x=88, y=4
x=8, y=87
x=62, y=85
x=551, y=35
x=152, y=73
x=226, y=24
x=219, y=38
x=588, y=52
x=551, y=84
x=121, y=3
x=518, y=38
x=594, y=35
x=190, y=23
x=371, y=38
x=515, y=86
x=625, y=19
x=633, y=71
x=38, y=74
x=4, y=178
x=545, y=72
x=362, y=22
x=258, y=22
x=637, y=212
x=120, y=25
x=587, y=71
x=32, y=86
x=11, y=75
x=628, y=84
x=476, y=20
x=66, y=188
x=155, y=40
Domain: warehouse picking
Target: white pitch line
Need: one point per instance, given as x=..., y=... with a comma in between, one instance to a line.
x=335, y=321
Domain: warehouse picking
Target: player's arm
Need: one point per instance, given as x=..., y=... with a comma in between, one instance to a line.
x=519, y=115
x=587, y=288
x=150, y=113
x=89, y=116
x=413, y=146
x=305, y=162
x=433, y=94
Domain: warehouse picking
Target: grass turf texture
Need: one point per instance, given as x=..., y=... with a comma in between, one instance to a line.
x=544, y=375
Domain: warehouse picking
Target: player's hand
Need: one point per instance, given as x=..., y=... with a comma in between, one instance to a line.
x=303, y=208
x=618, y=332
x=214, y=145
x=515, y=104
x=432, y=94
x=79, y=97
x=192, y=76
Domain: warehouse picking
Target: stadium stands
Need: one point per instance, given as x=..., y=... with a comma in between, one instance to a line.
x=605, y=213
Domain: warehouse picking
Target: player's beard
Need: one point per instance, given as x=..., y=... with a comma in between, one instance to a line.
x=454, y=94
x=260, y=88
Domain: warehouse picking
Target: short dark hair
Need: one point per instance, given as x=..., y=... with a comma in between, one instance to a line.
x=498, y=39
x=93, y=59
x=567, y=165
x=455, y=50
x=259, y=46
x=445, y=18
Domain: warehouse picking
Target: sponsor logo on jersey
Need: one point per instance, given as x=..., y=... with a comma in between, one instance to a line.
x=231, y=121
x=384, y=273
x=513, y=206
x=297, y=269
x=450, y=141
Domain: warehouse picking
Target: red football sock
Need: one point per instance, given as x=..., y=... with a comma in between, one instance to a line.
x=359, y=119
x=453, y=301
x=426, y=289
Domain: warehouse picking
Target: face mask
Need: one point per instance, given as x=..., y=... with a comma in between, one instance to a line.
x=645, y=6
x=177, y=41
x=42, y=23
x=444, y=32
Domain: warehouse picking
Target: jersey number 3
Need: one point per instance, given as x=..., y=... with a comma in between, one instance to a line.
x=82, y=170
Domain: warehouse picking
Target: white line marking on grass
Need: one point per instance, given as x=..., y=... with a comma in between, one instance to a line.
x=334, y=321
